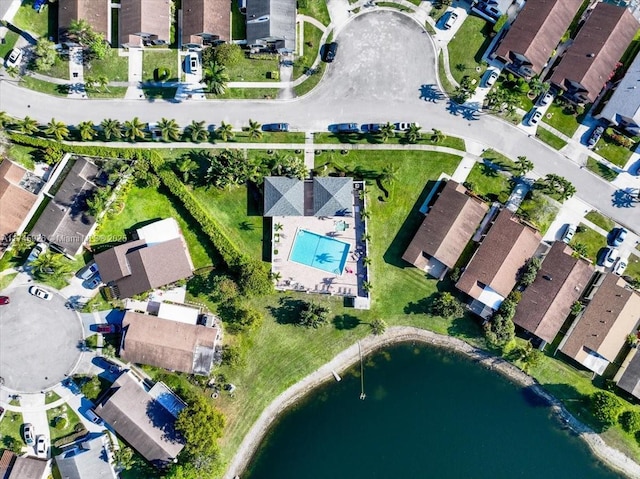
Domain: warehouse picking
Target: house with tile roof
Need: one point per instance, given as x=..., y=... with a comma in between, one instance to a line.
x=272, y=22
x=623, y=108
x=321, y=196
x=143, y=21
x=88, y=457
x=97, y=13
x=205, y=21
x=628, y=376
x=22, y=467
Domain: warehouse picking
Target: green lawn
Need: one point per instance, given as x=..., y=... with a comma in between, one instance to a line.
x=11, y=427
x=43, y=86
x=600, y=220
x=488, y=182
x=60, y=68
x=6, y=280
x=60, y=411
x=498, y=159
x=113, y=66
x=246, y=94
x=616, y=154
x=633, y=267
x=146, y=204
x=161, y=58
x=28, y=19
x=353, y=138
x=113, y=92
x=250, y=69
x=561, y=119
x=592, y=240
x=10, y=40
x=601, y=169
x=316, y=9
x=444, y=81
x=50, y=397
x=539, y=210
x=550, y=139
x=24, y=155
x=238, y=23
x=311, y=81
x=268, y=137
x=312, y=36
x=466, y=48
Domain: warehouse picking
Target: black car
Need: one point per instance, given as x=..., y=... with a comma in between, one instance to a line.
x=347, y=128
x=595, y=136
x=330, y=50
x=371, y=127
x=275, y=127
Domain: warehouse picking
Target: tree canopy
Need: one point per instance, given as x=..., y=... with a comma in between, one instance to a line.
x=606, y=407
x=201, y=425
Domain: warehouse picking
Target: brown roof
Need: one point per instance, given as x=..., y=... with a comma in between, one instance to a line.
x=506, y=248
x=6, y=460
x=15, y=202
x=95, y=12
x=611, y=315
x=208, y=17
x=537, y=31
x=546, y=303
x=141, y=421
x=168, y=344
x=589, y=62
x=26, y=467
x=447, y=228
x=151, y=17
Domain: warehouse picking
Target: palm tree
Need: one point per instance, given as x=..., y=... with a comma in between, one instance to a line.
x=79, y=28
x=28, y=126
x=133, y=129
x=224, y=131
x=13, y=71
x=169, y=129
x=215, y=77
x=378, y=326
x=254, y=130
x=278, y=227
x=387, y=131
x=57, y=129
x=90, y=82
x=276, y=276
x=186, y=166
x=103, y=82
x=538, y=86
x=366, y=238
x=366, y=261
x=49, y=263
x=413, y=133
x=111, y=129
x=522, y=166
x=388, y=174
x=98, y=201
x=364, y=214
x=196, y=131
x=437, y=136
x=21, y=243
x=87, y=130
x=4, y=119
x=366, y=285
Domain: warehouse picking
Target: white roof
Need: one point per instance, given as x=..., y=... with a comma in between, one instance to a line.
x=178, y=312
x=160, y=231
x=490, y=298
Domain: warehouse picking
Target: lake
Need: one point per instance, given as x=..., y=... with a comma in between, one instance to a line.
x=428, y=413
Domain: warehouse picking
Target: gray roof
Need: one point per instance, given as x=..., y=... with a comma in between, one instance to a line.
x=272, y=20
x=26, y=467
x=624, y=105
x=283, y=196
x=332, y=196
x=85, y=459
x=64, y=223
x=630, y=379
x=141, y=421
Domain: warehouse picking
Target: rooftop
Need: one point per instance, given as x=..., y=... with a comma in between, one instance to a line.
x=96, y=12
x=144, y=19
x=204, y=20
x=15, y=201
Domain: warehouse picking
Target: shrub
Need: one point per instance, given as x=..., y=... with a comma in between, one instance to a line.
x=502, y=21
x=446, y=305
x=161, y=74
x=606, y=407
x=228, y=54
x=499, y=331
x=313, y=315
x=630, y=421
x=68, y=439
x=60, y=422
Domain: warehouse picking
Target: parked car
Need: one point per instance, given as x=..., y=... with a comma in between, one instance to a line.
x=347, y=128
x=609, y=257
x=37, y=251
x=618, y=236
x=29, y=434
x=371, y=127
x=93, y=417
x=451, y=20
x=275, y=127
x=40, y=293
x=71, y=385
x=108, y=328
x=568, y=233
x=94, y=282
x=14, y=57
x=193, y=62
x=108, y=365
x=491, y=78
x=545, y=98
x=41, y=444
x=4, y=300
x=620, y=267
x=404, y=125
x=330, y=50
x=535, y=117
x=88, y=271
x=595, y=136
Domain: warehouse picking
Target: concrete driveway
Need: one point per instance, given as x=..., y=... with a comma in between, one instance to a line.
x=39, y=340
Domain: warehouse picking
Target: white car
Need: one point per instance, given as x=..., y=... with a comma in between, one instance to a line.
x=193, y=62
x=404, y=125
x=14, y=57
x=40, y=293
x=491, y=79
x=535, y=117
x=620, y=267
x=545, y=99
x=568, y=233
x=609, y=257
x=41, y=444
x=451, y=20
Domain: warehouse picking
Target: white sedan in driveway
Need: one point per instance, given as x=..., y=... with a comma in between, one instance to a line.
x=41, y=445
x=14, y=57
x=491, y=77
x=40, y=293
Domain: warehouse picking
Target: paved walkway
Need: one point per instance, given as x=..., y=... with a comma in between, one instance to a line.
x=135, y=74
x=464, y=168
x=76, y=74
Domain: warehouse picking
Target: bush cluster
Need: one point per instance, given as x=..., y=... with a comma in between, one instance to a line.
x=68, y=439
x=619, y=139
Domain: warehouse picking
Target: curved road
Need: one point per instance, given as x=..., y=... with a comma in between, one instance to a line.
x=386, y=60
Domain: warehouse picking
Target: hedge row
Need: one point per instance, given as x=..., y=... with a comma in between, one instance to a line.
x=69, y=438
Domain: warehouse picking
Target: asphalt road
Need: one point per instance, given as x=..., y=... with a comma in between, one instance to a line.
x=39, y=340
x=385, y=70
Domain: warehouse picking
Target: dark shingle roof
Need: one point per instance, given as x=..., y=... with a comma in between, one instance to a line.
x=25, y=467
x=272, y=20
x=283, y=196
x=141, y=421
x=447, y=228
x=624, y=104
x=537, y=31
x=87, y=458
x=332, y=196
x=593, y=56
x=208, y=17
x=546, y=303
x=630, y=379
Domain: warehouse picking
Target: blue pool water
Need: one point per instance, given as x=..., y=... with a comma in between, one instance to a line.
x=321, y=252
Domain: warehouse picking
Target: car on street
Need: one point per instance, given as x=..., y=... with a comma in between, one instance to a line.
x=347, y=128
x=108, y=328
x=88, y=271
x=545, y=98
x=330, y=50
x=451, y=20
x=37, y=251
x=41, y=444
x=404, y=125
x=275, y=127
x=620, y=267
x=569, y=231
x=618, y=236
x=491, y=78
x=371, y=127
x=14, y=57
x=40, y=293
x=595, y=136
x=29, y=434
x=609, y=257
x=535, y=117
x=4, y=300
x=193, y=62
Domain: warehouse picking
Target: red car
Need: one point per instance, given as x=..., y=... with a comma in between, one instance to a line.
x=108, y=328
x=4, y=300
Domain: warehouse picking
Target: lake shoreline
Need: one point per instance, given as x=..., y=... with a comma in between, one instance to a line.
x=400, y=334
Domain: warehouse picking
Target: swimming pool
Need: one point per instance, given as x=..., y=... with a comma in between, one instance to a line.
x=321, y=252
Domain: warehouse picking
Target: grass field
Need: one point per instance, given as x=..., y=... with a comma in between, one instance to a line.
x=40, y=23
x=466, y=48
x=488, y=182
x=113, y=66
x=311, y=81
x=601, y=169
x=550, y=139
x=43, y=86
x=592, y=240
x=561, y=119
x=153, y=59
x=312, y=36
x=253, y=70
x=113, y=92
x=6, y=280
x=72, y=420
x=498, y=159
x=246, y=94
x=160, y=93
x=616, y=154
x=444, y=81
x=11, y=427
x=59, y=69
x=353, y=138
x=10, y=40
x=24, y=155
x=238, y=23
x=600, y=220
x=316, y=9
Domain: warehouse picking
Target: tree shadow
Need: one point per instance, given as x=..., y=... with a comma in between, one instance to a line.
x=431, y=93
x=625, y=198
x=533, y=398
x=422, y=306
x=288, y=310
x=345, y=321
